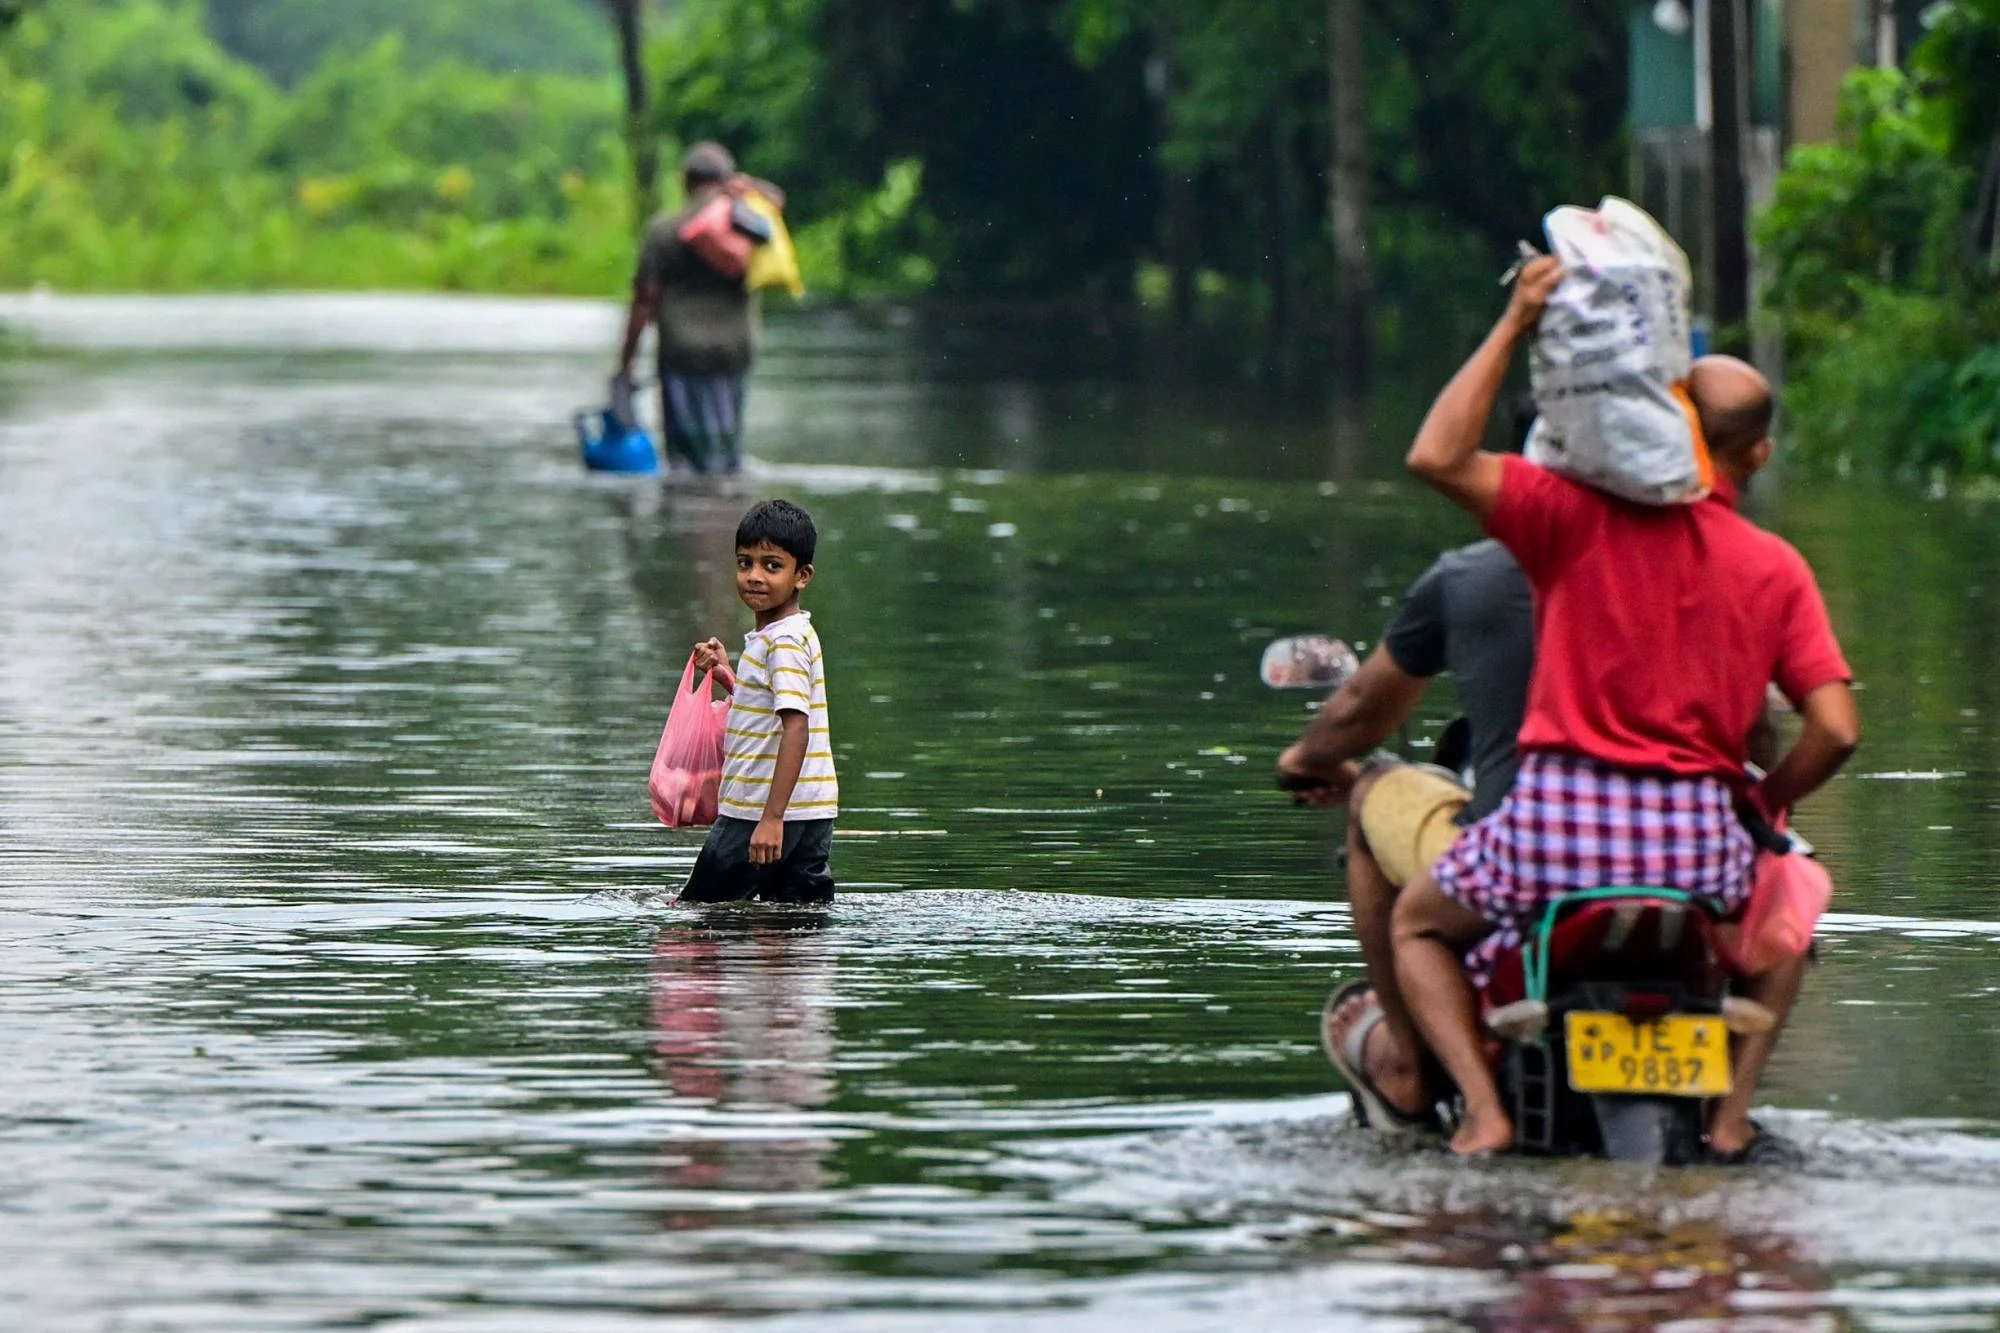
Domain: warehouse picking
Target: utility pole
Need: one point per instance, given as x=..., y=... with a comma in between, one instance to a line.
x=1347, y=207
x=1886, y=43
x=1729, y=242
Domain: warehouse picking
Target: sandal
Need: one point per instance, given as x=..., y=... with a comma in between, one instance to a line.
x=1371, y=1109
x=1763, y=1149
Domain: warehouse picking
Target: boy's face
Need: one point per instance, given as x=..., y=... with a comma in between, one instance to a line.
x=768, y=577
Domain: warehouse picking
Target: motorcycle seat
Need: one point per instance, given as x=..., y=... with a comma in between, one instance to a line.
x=1622, y=935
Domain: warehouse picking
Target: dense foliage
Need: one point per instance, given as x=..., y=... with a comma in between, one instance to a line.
x=1055, y=142
x=1099, y=150
x=1045, y=148
x=143, y=156
x=1885, y=261
x=289, y=39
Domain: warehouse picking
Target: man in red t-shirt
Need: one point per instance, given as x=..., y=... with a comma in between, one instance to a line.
x=1656, y=629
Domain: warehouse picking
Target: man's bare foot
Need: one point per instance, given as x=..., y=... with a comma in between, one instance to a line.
x=1730, y=1135
x=1395, y=1076
x=1483, y=1133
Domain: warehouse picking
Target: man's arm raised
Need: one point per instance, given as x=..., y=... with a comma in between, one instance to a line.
x=1447, y=453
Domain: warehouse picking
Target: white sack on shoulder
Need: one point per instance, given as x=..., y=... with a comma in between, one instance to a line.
x=1610, y=361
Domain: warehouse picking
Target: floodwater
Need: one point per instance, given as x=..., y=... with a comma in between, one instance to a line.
x=339, y=987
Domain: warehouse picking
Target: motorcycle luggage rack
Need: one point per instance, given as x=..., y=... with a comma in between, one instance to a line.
x=1534, y=1087
x=1535, y=949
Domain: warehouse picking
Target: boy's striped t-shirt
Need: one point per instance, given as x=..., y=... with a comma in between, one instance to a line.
x=780, y=669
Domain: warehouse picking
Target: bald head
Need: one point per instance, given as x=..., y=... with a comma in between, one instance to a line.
x=1733, y=401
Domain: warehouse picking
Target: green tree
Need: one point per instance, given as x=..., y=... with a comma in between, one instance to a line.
x=1069, y=148
x=1885, y=266
x=641, y=142
x=142, y=156
x=288, y=39
x=1037, y=172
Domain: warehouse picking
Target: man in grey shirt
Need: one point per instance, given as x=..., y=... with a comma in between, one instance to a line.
x=1472, y=614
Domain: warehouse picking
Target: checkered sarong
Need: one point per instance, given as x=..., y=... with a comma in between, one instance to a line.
x=1573, y=823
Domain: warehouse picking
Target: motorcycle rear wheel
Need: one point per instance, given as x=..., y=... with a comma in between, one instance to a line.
x=1656, y=1131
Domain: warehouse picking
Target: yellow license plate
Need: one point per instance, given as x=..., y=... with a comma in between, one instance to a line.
x=1680, y=1055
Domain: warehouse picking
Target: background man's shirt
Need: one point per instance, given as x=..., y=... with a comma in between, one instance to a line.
x=707, y=323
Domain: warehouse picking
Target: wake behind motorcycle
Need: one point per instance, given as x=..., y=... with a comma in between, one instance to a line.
x=1609, y=1027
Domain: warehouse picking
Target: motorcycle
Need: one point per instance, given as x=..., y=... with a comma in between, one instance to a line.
x=1609, y=1027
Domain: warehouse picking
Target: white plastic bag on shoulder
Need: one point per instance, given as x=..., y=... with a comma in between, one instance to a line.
x=1609, y=364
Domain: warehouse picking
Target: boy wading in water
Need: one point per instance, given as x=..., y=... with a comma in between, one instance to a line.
x=779, y=796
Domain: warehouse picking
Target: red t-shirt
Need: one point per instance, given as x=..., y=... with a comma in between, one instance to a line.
x=1657, y=626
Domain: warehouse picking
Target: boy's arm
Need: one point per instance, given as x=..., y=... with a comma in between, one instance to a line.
x=1446, y=453
x=710, y=655
x=767, y=842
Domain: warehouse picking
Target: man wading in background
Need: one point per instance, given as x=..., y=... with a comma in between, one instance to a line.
x=707, y=324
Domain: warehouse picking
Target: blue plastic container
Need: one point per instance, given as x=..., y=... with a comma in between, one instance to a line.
x=610, y=447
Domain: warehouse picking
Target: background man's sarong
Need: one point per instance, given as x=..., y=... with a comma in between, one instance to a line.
x=703, y=415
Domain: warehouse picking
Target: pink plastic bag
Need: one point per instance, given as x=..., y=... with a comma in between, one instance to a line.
x=686, y=781
x=1786, y=901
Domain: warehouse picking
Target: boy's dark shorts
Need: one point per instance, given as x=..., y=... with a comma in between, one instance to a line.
x=723, y=873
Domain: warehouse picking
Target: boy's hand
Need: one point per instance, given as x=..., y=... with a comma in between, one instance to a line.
x=767, y=843
x=710, y=654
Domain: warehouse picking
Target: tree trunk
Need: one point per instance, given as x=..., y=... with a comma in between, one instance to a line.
x=1729, y=242
x=1353, y=303
x=640, y=142
x=1278, y=274
x=1183, y=244
x=1180, y=222
x=1982, y=231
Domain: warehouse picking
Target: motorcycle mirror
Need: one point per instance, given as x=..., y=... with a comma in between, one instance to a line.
x=1307, y=662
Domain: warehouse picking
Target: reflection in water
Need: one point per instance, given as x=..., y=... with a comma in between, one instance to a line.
x=1609, y=1270
x=743, y=1024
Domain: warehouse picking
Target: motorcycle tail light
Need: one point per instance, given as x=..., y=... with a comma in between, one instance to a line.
x=1644, y=1006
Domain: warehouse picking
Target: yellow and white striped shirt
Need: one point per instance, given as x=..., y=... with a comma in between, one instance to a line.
x=780, y=670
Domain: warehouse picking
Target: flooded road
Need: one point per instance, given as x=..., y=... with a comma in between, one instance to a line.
x=338, y=988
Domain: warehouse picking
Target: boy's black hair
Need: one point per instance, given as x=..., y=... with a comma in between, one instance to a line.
x=784, y=525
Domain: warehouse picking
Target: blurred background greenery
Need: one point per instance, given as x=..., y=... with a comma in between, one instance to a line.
x=1168, y=160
